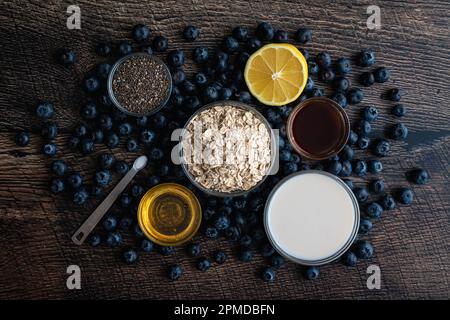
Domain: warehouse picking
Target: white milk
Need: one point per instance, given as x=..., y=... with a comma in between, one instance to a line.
x=311, y=216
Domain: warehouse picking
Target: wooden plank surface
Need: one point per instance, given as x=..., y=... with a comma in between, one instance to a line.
x=412, y=244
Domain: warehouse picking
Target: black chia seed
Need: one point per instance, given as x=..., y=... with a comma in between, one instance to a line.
x=141, y=84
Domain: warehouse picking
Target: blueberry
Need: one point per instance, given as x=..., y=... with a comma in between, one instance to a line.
x=103, y=49
x=381, y=148
x=200, y=54
x=222, y=222
x=381, y=75
x=363, y=249
x=137, y=190
x=316, y=92
x=98, y=136
x=130, y=256
x=399, y=131
x=49, y=149
x=395, y=94
x=399, y=110
x=94, y=240
x=370, y=113
x=190, y=33
x=203, y=264
x=281, y=36
x=232, y=233
x=349, y=259
x=211, y=232
x=360, y=167
x=313, y=67
x=419, y=176
x=87, y=146
x=175, y=272
x=209, y=94
x=363, y=128
x=366, y=79
x=147, y=136
x=91, y=83
x=303, y=35
x=105, y=122
x=147, y=49
x=109, y=223
x=81, y=130
x=246, y=241
x=324, y=60
x=245, y=255
x=225, y=93
x=268, y=274
x=102, y=70
x=258, y=234
x=352, y=138
x=178, y=76
x=375, y=166
x=106, y=160
x=66, y=57
x=361, y=194
x=220, y=256
x=22, y=138
x=132, y=145
x=312, y=273
x=305, y=53
x=366, y=58
x=125, y=129
x=290, y=167
x=121, y=167
x=45, y=110
x=153, y=181
x=176, y=58
x=267, y=250
x=334, y=167
x=59, y=167
x=377, y=186
x=343, y=66
x=80, y=197
x=112, y=140
x=388, y=202
x=273, y=117
x=349, y=183
x=264, y=31
x=374, y=210
x=141, y=33
x=365, y=226
x=276, y=261
x=285, y=155
x=57, y=185
x=326, y=75
x=244, y=96
x=363, y=143
x=346, y=168
x=347, y=153
x=89, y=111
x=96, y=190
x=341, y=84
x=147, y=245
x=113, y=239
x=166, y=250
x=405, y=196
x=102, y=178
x=75, y=180
x=355, y=95
x=230, y=44
x=160, y=43
x=240, y=33
x=192, y=102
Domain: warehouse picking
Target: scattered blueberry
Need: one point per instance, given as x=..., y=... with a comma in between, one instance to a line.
x=349, y=183
x=91, y=84
x=365, y=226
x=211, y=232
x=166, y=250
x=399, y=131
x=175, y=272
x=324, y=59
x=121, y=167
x=268, y=274
x=349, y=259
x=160, y=44
x=303, y=35
x=45, y=110
x=370, y=113
x=276, y=261
x=147, y=136
x=194, y=249
x=395, y=94
x=22, y=138
x=141, y=33
x=80, y=197
x=377, y=186
x=316, y=92
x=366, y=58
x=103, y=178
x=343, y=66
x=245, y=255
x=102, y=70
x=382, y=147
x=363, y=143
x=264, y=31
x=326, y=75
x=381, y=75
x=49, y=149
x=147, y=245
x=419, y=176
x=130, y=256
x=59, y=167
x=366, y=79
x=112, y=140
x=360, y=167
x=267, y=250
x=131, y=145
x=220, y=256
x=347, y=168
x=201, y=54
x=94, y=240
x=203, y=264
x=363, y=249
x=105, y=122
x=353, y=138
x=190, y=33
x=313, y=67
x=230, y=44
x=388, y=202
x=347, y=153
x=124, y=48
x=57, y=185
x=75, y=180
x=66, y=57
x=106, y=160
x=374, y=210
x=399, y=110
x=341, y=84
x=361, y=194
x=405, y=196
x=312, y=273
x=87, y=146
x=363, y=128
x=137, y=231
x=281, y=36
x=355, y=95
x=109, y=223
x=176, y=58
x=334, y=167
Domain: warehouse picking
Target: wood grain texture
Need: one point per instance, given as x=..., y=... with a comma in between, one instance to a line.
x=412, y=244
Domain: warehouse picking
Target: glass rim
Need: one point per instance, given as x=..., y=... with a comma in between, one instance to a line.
x=339, y=252
x=246, y=107
x=110, y=90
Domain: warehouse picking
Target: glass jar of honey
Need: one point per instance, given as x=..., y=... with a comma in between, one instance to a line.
x=169, y=214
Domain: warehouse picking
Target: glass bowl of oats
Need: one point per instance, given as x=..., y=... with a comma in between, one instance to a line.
x=139, y=84
x=227, y=148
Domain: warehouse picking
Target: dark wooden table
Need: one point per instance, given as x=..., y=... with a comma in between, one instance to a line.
x=412, y=243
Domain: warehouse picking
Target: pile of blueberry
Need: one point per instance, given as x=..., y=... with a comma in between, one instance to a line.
x=219, y=77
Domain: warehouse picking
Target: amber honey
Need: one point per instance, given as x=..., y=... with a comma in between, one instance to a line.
x=169, y=214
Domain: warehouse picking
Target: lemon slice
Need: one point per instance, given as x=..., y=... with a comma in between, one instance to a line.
x=276, y=74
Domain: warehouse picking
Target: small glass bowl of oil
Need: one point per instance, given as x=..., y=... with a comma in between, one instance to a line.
x=169, y=214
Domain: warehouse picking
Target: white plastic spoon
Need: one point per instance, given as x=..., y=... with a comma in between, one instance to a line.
x=82, y=233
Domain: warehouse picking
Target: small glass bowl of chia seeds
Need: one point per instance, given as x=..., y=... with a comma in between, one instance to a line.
x=139, y=84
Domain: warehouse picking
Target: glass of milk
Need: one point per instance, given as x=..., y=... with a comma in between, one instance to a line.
x=311, y=217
